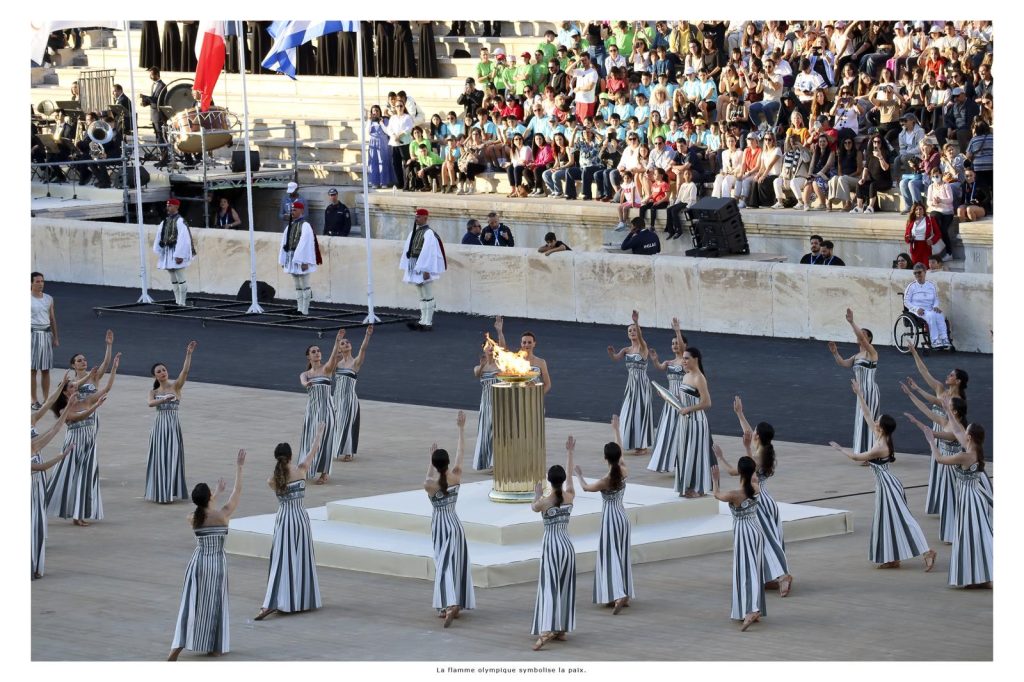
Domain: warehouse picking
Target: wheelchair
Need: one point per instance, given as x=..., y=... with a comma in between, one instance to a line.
x=912, y=330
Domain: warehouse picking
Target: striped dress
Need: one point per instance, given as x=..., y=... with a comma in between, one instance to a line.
x=38, y=519
x=42, y=335
x=345, y=432
x=666, y=440
x=941, y=484
x=165, y=472
x=747, y=560
x=613, y=575
x=555, y=608
x=319, y=408
x=483, y=455
x=636, y=428
x=775, y=564
x=203, y=618
x=73, y=491
x=693, y=464
x=971, y=560
x=863, y=431
x=895, y=534
x=453, y=577
x=292, y=584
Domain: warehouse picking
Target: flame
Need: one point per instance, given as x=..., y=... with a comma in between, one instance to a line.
x=508, y=362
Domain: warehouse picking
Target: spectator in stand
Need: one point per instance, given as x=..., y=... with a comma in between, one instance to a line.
x=922, y=234
x=450, y=154
x=935, y=263
x=940, y=207
x=471, y=99
x=912, y=185
x=749, y=170
x=426, y=164
x=922, y=299
x=796, y=170
x=770, y=168
x=496, y=232
x=979, y=153
x=903, y=262
x=543, y=158
x=822, y=168
x=588, y=149
x=827, y=258
x=552, y=245
x=876, y=176
x=974, y=201
x=563, y=160
x=610, y=156
x=807, y=82
x=814, y=257
x=641, y=241
x=585, y=88
x=849, y=167
x=557, y=79
x=614, y=60
x=519, y=156
x=658, y=196
x=398, y=128
x=629, y=197
x=959, y=116
x=472, y=236
x=686, y=195
x=798, y=128
x=629, y=161
x=909, y=142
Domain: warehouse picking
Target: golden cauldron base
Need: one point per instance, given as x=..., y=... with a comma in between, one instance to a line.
x=512, y=497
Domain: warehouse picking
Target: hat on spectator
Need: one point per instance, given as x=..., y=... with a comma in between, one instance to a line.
x=332, y=192
x=689, y=70
x=908, y=115
x=840, y=24
x=471, y=80
x=298, y=204
x=827, y=24
x=956, y=91
x=753, y=135
x=798, y=26
x=292, y=187
x=173, y=202
x=526, y=54
x=604, y=95
x=822, y=119
x=935, y=29
x=500, y=56
x=698, y=121
x=900, y=26
x=422, y=211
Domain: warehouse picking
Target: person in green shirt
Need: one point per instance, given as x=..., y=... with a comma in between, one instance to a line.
x=484, y=69
x=523, y=74
x=427, y=164
x=502, y=73
x=539, y=76
x=621, y=37
x=548, y=47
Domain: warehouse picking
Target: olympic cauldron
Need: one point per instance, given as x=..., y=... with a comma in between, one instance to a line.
x=517, y=404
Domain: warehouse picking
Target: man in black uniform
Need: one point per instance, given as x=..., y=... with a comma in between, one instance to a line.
x=121, y=100
x=641, y=241
x=814, y=257
x=337, y=220
x=152, y=101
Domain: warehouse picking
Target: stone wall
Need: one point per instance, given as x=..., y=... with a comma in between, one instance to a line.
x=727, y=296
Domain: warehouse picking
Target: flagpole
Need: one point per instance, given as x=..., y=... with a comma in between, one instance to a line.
x=254, y=307
x=133, y=112
x=370, y=318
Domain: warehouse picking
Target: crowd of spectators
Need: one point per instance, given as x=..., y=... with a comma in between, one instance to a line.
x=652, y=115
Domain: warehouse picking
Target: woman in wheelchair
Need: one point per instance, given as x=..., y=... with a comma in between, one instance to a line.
x=864, y=364
x=921, y=299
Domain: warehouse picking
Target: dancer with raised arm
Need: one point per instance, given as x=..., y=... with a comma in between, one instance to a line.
x=747, y=545
x=864, y=363
x=345, y=433
x=203, y=615
x=74, y=490
x=666, y=438
x=486, y=371
x=292, y=584
x=554, y=612
x=44, y=337
x=86, y=380
x=635, y=415
x=758, y=444
x=895, y=534
x=940, y=485
x=39, y=483
x=165, y=472
x=453, y=579
x=695, y=461
x=319, y=407
x=613, y=574
x=970, y=564
x=527, y=344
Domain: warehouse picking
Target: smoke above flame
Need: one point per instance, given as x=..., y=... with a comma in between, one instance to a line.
x=507, y=361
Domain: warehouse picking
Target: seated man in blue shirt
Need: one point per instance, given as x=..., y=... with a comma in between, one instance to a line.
x=472, y=235
x=640, y=240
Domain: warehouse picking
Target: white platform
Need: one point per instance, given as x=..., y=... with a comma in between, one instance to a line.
x=390, y=534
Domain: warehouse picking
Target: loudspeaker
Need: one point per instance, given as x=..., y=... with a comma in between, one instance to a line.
x=264, y=292
x=119, y=181
x=720, y=237
x=238, y=160
x=712, y=208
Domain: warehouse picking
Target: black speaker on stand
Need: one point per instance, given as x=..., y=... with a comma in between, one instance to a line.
x=717, y=228
x=238, y=160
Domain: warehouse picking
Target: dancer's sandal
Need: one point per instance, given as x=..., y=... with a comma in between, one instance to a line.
x=929, y=560
x=620, y=603
x=542, y=640
x=450, y=614
x=264, y=613
x=785, y=583
x=749, y=620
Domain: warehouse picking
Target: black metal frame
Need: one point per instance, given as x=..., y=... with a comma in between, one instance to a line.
x=276, y=315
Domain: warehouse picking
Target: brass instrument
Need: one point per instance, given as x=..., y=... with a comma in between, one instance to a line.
x=99, y=133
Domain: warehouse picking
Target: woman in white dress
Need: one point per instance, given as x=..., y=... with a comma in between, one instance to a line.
x=747, y=546
x=635, y=415
x=666, y=438
x=345, y=433
x=165, y=472
x=319, y=406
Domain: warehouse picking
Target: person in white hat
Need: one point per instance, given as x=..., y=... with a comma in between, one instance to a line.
x=298, y=255
x=291, y=196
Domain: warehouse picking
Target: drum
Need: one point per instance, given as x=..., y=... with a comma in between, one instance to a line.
x=188, y=128
x=520, y=457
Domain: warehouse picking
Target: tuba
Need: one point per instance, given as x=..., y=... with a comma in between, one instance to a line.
x=100, y=133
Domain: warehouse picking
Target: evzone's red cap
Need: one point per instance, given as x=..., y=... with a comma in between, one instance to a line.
x=298, y=204
x=422, y=211
x=173, y=202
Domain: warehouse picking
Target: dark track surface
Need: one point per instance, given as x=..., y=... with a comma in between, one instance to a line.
x=792, y=383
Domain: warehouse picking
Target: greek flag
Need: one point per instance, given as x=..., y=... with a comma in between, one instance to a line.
x=288, y=35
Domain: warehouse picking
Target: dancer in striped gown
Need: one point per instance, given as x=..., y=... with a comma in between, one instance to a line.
x=666, y=438
x=970, y=564
x=292, y=584
x=864, y=363
x=613, y=574
x=319, y=407
x=895, y=534
x=947, y=445
x=44, y=337
x=747, y=545
x=453, y=578
x=554, y=612
x=635, y=416
x=39, y=441
x=344, y=437
x=203, y=623
x=695, y=459
x=486, y=371
x=940, y=484
x=758, y=444
x=74, y=489
x=165, y=472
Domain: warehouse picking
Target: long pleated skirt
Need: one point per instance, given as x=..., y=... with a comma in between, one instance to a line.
x=73, y=492
x=775, y=563
x=292, y=583
x=319, y=408
x=165, y=470
x=613, y=573
x=483, y=453
x=970, y=562
x=345, y=434
x=453, y=578
x=747, y=561
x=203, y=616
x=38, y=515
x=895, y=534
x=863, y=431
x=555, y=607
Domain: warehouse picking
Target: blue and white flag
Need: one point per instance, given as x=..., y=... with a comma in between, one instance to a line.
x=288, y=35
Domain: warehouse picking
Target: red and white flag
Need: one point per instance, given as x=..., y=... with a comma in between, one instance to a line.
x=210, y=50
